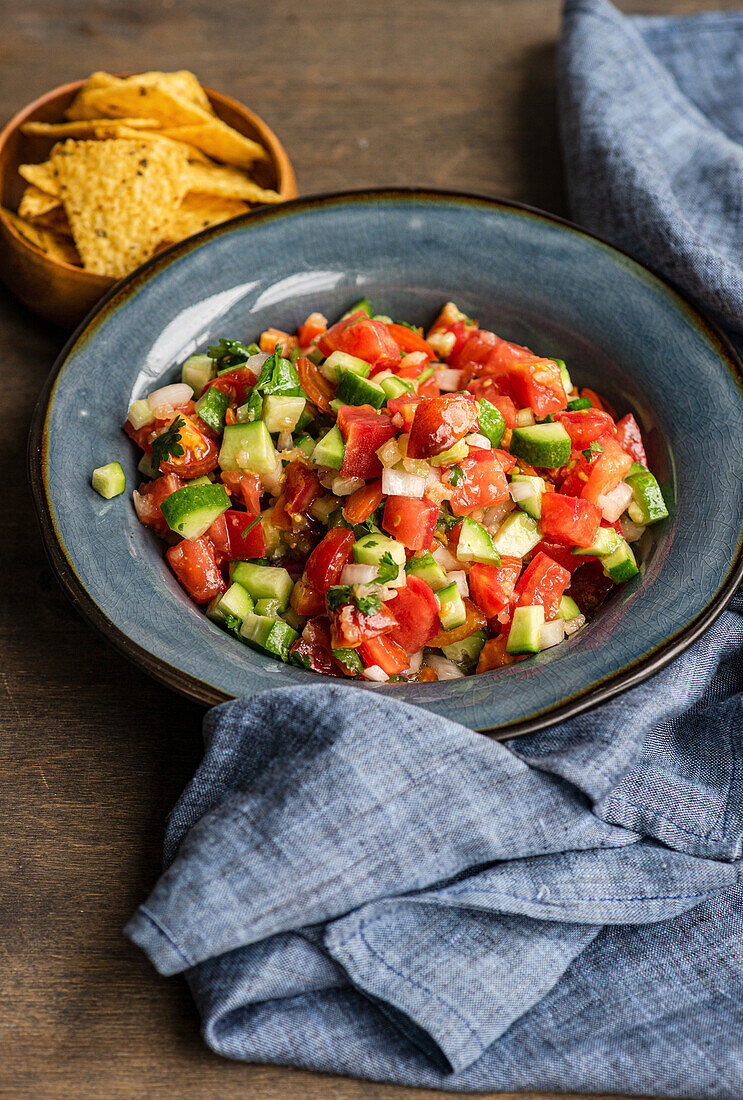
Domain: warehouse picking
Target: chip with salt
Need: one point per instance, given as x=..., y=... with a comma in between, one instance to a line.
x=120, y=197
x=41, y=176
x=198, y=212
x=90, y=127
x=59, y=248
x=78, y=109
x=220, y=141
x=136, y=98
x=229, y=183
x=34, y=203
x=55, y=219
x=181, y=83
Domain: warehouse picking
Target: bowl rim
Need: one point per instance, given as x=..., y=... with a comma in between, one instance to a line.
x=268, y=139
x=192, y=687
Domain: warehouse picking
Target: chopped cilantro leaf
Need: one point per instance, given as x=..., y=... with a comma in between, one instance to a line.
x=388, y=568
x=301, y=659
x=278, y=376
x=456, y=474
x=231, y=353
x=447, y=520
x=231, y=622
x=168, y=443
x=594, y=448
x=350, y=659
x=367, y=605
x=413, y=328
x=338, y=595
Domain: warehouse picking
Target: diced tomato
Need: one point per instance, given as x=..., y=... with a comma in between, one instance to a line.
x=313, y=646
x=235, y=384
x=301, y=488
x=143, y=437
x=412, y=367
x=362, y=337
x=482, y=483
x=599, y=402
x=245, y=488
x=242, y=546
x=407, y=340
x=629, y=438
x=569, y=520
x=493, y=654
x=585, y=426
x=192, y=561
x=491, y=586
x=542, y=582
x=360, y=505
x=412, y=522
x=364, y=430
x=307, y=600
x=417, y=612
x=607, y=471
x=276, y=337
x=507, y=461
x=537, y=384
x=201, y=453
x=319, y=391
x=590, y=586
x=439, y=423
x=475, y=620
x=475, y=351
x=149, y=497
x=279, y=516
x=563, y=555
x=349, y=627
x=451, y=320
x=405, y=406
x=386, y=654
x=487, y=388
x=325, y=563
x=314, y=326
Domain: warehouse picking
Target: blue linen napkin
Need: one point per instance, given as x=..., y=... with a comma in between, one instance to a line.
x=355, y=886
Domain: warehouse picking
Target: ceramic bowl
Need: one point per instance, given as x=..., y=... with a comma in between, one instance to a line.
x=61, y=292
x=533, y=279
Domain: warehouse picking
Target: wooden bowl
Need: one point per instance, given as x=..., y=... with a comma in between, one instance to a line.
x=61, y=292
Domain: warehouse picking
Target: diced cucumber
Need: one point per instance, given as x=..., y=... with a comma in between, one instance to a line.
x=370, y=550
x=394, y=386
x=190, y=511
x=306, y=418
x=281, y=414
x=306, y=444
x=269, y=607
x=140, y=414
x=197, y=371
x=329, y=450
x=383, y=317
x=568, y=608
x=363, y=304
x=248, y=447
x=146, y=468
x=355, y=390
x=546, y=445
x=606, y=542
x=455, y=453
x=567, y=383
x=523, y=637
x=109, y=480
x=517, y=535
x=452, y=611
x=211, y=407
x=335, y=406
x=274, y=636
x=579, y=403
x=263, y=582
x=466, y=653
x=428, y=569
x=648, y=505
x=532, y=505
x=323, y=508
x=492, y=424
x=236, y=602
x=351, y=660
x=338, y=361
x=203, y=480
x=621, y=565
x=273, y=536
x=476, y=544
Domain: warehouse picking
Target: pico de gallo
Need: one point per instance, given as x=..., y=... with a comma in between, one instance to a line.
x=366, y=500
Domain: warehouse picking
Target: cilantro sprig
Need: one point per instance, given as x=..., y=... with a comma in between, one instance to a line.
x=456, y=474
x=367, y=605
x=594, y=448
x=278, y=376
x=388, y=568
x=341, y=594
x=231, y=353
x=168, y=443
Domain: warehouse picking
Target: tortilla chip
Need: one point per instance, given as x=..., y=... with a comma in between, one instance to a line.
x=229, y=183
x=79, y=109
x=120, y=197
x=91, y=127
x=198, y=212
x=55, y=220
x=220, y=141
x=192, y=152
x=58, y=248
x=35, y=202
x=135, y=98
x=182, y=83
x=41, y=176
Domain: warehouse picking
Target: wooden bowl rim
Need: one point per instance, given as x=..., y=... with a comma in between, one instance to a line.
x=277, y=152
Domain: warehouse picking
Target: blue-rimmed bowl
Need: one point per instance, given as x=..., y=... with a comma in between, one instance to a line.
x=533, y=279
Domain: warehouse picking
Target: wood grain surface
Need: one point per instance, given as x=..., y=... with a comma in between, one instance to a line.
x=444, y=93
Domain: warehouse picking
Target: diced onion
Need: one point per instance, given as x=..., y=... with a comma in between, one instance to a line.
x=446, y=560
x=389, y=453
x=397, y=421
x=614, y=503
x=443, y=667
x=164, y=400
x=255, y=362
x=474, y=439
x=442, y=343
x=459, y=577
x=416, y=660
x=632, y=531
x=344, y=486
x=399, y=483
x=285, y=441
x=520, y=490
x=448, y=379
x=551, y=633
x=496, y=513
x=414, y=359
x=524, y=418
x=572, y=625
x=417, y=466
x=272, y=482
x=376, y=674
x=359, y=574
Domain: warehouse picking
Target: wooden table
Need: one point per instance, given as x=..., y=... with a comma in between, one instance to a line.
x=444, y=93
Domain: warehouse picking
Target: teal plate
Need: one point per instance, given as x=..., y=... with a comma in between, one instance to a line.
x=533, y=279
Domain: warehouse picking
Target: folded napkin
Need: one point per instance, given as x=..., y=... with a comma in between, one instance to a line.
x=353, y=885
